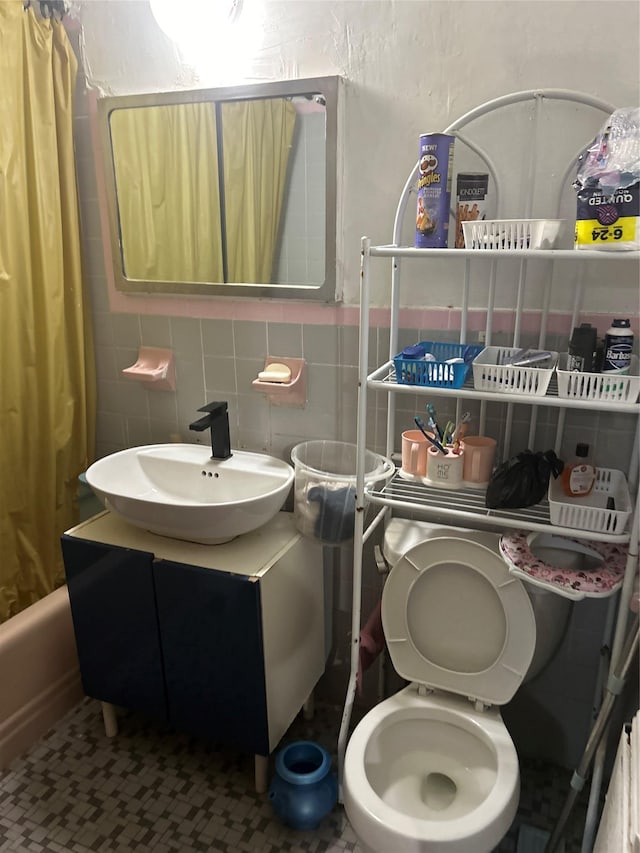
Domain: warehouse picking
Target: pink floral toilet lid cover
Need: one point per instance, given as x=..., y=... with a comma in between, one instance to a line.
x=603, y=581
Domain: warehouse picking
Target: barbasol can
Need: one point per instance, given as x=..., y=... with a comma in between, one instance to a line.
x=618, y=346
x=435, y=170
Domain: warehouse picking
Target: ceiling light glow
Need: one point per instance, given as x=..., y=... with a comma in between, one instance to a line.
x=220, y=34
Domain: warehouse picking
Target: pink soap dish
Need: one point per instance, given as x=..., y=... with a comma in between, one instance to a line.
x=283, y=393
x=154, y=368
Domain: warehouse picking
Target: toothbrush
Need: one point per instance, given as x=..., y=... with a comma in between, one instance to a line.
x=447, y=435
x=436, y=444
x=461, y=428
x=431, y=421
x=532, y=357
x=525, y=357
x=509, y=359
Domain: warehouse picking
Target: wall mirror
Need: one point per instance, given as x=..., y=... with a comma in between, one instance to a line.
x=228, y=191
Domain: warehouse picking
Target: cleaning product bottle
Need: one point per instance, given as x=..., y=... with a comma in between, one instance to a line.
x=579, y=474
x=618, y=343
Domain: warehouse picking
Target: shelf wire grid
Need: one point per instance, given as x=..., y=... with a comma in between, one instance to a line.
x=418, y=495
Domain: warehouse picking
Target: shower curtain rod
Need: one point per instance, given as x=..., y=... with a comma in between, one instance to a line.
x=48, y=8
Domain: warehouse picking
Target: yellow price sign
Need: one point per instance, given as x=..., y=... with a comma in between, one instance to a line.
x=592, y=232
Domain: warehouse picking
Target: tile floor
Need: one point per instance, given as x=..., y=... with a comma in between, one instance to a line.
x=151, y=789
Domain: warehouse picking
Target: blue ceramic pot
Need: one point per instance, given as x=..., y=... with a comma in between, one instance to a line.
x=303, y=790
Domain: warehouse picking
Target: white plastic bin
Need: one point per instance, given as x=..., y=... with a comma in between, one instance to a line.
x=512, y=234
x=619, y=387
x=325, y=487
x=605, y=510
x=490, y=373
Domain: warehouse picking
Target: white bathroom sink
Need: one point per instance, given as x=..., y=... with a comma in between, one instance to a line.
x=177, y=490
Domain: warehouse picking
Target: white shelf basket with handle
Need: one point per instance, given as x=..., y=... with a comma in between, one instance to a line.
x=605, y=510
x=490, y=373
x=616, y=387
x=512, y=234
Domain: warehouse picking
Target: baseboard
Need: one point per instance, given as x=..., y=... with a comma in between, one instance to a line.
x=34, y=719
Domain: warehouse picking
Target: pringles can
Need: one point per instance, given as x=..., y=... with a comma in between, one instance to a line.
x=435, y=170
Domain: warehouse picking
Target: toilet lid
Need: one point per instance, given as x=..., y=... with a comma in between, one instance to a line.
x=455, y=619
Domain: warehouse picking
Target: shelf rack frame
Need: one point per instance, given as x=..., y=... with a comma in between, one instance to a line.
x=382, y=379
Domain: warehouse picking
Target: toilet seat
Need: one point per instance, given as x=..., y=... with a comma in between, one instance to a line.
x=455, y=620
x=516, y=548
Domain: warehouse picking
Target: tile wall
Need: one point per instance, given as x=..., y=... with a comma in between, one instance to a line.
x=303, y=215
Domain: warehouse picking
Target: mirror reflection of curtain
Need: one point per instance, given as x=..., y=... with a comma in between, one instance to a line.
x=257, y=138
x=47, y=388
x=166, y=168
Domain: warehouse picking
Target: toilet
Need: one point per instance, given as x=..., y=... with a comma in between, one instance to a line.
x=433, y=768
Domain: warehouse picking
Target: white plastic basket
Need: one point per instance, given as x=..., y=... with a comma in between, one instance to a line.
x=503, y=234
x=616, y=387
x=591, y=513
x=490, y=374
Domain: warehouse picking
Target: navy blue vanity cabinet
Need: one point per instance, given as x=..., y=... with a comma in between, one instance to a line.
x=116, y=627
x=211, y=635
x=225, y=642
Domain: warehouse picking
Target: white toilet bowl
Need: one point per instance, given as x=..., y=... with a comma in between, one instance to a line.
x=430, y=773
x=433, y=769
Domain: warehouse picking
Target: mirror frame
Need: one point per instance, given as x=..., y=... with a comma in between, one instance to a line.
x=329, y=87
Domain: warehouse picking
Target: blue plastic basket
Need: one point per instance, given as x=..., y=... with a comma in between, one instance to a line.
x=437, y=374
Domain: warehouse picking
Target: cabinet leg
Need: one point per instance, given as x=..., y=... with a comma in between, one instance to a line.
x=109, y=718
x=262, y=773
x=308, y=709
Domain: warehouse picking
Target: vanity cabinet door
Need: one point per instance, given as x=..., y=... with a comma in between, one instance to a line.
x=115, y=623
x=211, y=635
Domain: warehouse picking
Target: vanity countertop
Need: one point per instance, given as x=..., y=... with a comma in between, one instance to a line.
x=251, y=554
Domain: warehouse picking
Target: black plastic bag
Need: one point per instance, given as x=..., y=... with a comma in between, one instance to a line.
x=523, y=480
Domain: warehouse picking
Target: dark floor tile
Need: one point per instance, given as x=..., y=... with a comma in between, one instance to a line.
x=152, y=789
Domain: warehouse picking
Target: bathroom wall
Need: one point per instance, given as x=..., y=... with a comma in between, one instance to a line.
x=450, y=61
x=409, y=68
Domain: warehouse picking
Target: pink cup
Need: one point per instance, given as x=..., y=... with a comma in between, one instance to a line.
x=414, y=453
x=479, y=456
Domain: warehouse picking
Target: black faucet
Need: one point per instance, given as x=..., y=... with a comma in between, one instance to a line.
x=217, y=420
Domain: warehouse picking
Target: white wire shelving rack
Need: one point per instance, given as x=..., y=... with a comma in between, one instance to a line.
x=466, y=507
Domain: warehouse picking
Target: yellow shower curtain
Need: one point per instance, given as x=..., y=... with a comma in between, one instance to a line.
x=166, y=167
x=46, y=375
x=256, y=142
x=165, y=161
